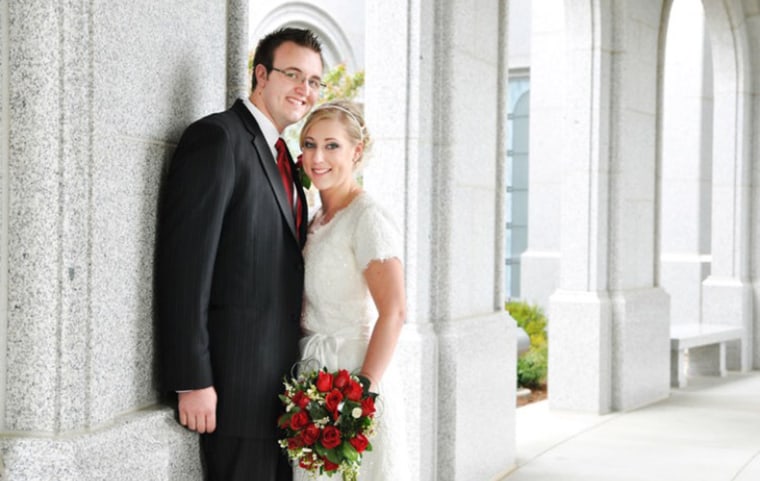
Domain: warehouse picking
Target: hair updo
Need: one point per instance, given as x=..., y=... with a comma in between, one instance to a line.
x=349, y=115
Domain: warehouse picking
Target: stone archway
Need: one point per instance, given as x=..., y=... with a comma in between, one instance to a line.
x=336, y=47
x=684, y=160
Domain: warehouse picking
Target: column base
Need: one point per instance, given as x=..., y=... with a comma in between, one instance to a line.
x=148, y=445
x=729, y=301
x=476, y=397
x=580, y=364
x=640, y=348
x=417, y=357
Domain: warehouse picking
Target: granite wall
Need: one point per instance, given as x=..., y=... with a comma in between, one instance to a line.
x=94, y=98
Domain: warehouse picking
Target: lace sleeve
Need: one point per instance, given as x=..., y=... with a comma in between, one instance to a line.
x=376, y=236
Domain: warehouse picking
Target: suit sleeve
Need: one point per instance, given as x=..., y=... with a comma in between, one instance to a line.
x=196, y=193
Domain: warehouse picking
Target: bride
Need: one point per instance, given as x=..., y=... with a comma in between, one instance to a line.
x=354, y=301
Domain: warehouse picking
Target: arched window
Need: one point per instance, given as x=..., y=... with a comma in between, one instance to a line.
x=517, y=181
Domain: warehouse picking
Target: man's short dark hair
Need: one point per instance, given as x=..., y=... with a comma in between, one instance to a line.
x=265, y=49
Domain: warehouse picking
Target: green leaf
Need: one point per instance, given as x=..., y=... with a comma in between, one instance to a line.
x=305, y=180
x=365, y=382
x=321, y=450
x=348, y=451
x=333, y=455
x=317, y=411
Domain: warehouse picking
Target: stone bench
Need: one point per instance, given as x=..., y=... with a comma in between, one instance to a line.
x=706, y=344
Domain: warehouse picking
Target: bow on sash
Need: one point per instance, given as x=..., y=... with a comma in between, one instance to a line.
x=326, y=348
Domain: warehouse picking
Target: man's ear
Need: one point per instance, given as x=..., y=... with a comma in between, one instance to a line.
x=261, y=74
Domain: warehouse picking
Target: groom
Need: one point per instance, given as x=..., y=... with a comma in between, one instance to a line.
x=229, y=275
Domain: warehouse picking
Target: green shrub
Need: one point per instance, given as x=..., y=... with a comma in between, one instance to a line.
x=531, y=366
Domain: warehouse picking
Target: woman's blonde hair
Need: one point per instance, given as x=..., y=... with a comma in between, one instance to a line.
x=349, y=115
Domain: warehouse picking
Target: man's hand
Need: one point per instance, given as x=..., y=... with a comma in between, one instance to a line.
x=197, y=410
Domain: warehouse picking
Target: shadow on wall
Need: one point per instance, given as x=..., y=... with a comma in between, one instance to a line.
x=183, y=112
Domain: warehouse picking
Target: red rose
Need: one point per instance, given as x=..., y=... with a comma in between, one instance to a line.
x=295, y=442
x=329, y=465
x=368, y=406
x=324, y=381
x=333, y=399
x=300, y=399
x=310, y=434
x=299, y=421
x=360, y=443
x=330, y=437
x=341, y=380
x=354, y=391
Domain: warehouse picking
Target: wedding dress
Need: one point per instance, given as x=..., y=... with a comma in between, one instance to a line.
x=339, y=315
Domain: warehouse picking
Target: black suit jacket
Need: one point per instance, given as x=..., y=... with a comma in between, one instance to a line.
x=229, y=276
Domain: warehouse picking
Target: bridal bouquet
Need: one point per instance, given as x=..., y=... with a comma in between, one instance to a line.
x=328, y=422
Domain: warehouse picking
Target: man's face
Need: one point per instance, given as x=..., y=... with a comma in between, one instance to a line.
x=283, y=99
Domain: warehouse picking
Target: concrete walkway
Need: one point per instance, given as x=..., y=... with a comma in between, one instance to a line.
x=708, y=431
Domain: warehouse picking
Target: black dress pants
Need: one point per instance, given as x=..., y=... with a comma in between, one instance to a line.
x=227, y=458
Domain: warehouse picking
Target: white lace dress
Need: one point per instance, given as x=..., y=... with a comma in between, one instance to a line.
x=339, y=316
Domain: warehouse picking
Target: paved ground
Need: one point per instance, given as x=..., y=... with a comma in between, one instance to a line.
x=708, y=431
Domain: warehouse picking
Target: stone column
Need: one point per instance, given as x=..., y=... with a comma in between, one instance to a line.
x=476, y=338
x=94, y=97
x=434, y=101
x=727, y=292
x=402, y=142
x=608, y=323
x=580, y=314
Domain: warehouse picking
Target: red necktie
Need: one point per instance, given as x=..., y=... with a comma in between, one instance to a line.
x=283, y=165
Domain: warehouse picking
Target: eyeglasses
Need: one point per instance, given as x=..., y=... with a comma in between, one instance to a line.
x=299, y=78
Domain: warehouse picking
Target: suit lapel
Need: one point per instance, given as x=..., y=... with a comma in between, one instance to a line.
x=302, y=202
x=268, y=165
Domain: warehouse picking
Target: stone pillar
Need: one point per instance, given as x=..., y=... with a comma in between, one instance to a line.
x=94, y=97
x=608, y=323
x=580, y=314
x=435, y=106
x=476, y=338
x=402, y=142
x=641, y=323
x=727, y=292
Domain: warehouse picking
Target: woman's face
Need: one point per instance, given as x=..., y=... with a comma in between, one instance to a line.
x=329, y=155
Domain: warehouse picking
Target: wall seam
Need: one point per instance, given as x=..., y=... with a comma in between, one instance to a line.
x=90, y=209
x=60, y=199
x=4, y=202
x=500, y=197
